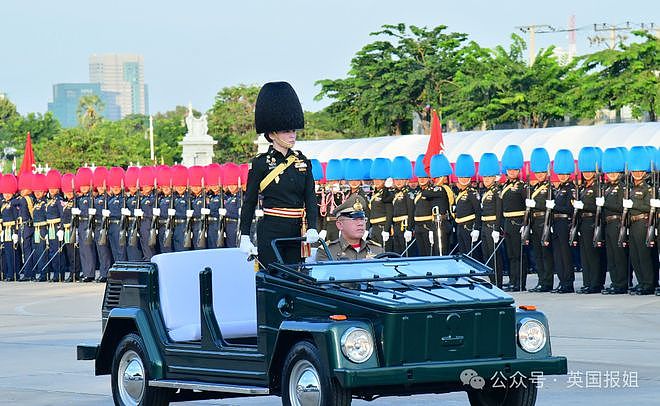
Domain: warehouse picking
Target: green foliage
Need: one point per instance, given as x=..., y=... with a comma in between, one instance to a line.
x=89, y=110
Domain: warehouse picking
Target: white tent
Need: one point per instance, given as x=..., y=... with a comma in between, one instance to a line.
x=476, y=143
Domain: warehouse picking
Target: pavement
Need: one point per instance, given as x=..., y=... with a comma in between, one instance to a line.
x=612, y=344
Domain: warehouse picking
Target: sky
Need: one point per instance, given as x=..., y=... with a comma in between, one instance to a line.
x=194, y=48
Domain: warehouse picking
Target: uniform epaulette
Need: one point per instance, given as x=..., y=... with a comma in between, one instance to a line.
x=372, y=242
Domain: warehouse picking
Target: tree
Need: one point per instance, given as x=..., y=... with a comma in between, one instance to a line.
x=7, y=110
x=89, y=110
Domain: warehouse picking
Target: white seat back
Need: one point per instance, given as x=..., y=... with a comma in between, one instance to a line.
x=234, y=292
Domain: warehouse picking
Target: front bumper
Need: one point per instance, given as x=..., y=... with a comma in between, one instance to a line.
x=447, y=372
x=86, y=352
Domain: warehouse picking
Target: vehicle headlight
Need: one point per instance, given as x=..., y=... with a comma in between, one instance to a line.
x=357, y=345
x=531, y=335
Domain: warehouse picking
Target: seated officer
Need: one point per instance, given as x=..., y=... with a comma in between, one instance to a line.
x=351, y=224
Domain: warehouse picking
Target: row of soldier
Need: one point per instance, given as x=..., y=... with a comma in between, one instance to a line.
x=62, y=227
x=602, y=211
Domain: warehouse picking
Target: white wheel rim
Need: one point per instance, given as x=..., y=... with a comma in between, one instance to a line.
x=304, y=385
x=130, y=378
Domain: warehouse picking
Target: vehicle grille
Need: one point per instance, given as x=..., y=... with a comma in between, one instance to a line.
x=112, y=294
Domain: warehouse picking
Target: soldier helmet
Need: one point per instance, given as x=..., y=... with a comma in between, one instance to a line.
x=195, y=175
x=512, y=158
x=334, y=170
x=164, y=175
x=353, y=207
x=25, y=181
x=244, y=172
x=366, y=168
x=147, y=175
x=100, y=176
x=132, y=176
x=539, y=161
x=401, y=168
x=564, y=162
x=39, y=183
x=231, y=173
x=317, y=170
x=639, y=159
x=179, y=175
x=8, y=184
x=588, y=159
x=353, y=169
x=116, y=177
x=53, y=179
x=84, y=176
x=613, y=160
x=381, y=168
x=68, y=180
x=440, y=166
x=277, y=109
x=489, y=165
x=465, y=167
x=213, y=174
x=420, y=172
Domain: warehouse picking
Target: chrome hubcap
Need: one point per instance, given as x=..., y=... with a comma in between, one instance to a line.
x=304, y=385
x=131, y=378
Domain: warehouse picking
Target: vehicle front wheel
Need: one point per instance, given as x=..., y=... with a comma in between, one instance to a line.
x=130, y=375
x=522, y=395
x=307, y=382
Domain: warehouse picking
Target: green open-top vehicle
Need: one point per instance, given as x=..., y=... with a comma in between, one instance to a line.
x=203, y=324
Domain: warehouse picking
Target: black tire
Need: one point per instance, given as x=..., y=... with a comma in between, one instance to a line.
x=131, y=355
x=523, y=395
x=304, y=356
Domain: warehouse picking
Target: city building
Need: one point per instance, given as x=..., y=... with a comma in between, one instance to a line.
x=122, y=74
x=66, y=98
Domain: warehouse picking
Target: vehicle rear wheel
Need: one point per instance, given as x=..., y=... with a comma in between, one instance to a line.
x=523, y=395
x=307, y=382
x=130, y=375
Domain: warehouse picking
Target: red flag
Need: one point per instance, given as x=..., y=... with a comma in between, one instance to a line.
x=27, y=166
x=436, y=145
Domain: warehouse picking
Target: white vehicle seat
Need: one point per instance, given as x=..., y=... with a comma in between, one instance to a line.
x=234, y=292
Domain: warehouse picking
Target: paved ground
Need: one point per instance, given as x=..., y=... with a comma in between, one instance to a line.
x=603, y=337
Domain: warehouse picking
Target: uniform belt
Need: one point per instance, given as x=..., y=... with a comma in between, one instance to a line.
x=53, y=221
x=163, y=221
x=399, y=218
x=212, y=218
x=331, y=218
x=560, y=216
x=232, y=220
x=588, y=214
x=378, y=220
x=8, y=223
x=291, y=213
x=465, y=219
x=509, y=214
x=612, y=218
x=489, y=218
x=179, y=221
x=643, y=216
x=424, y=218
x=67, y=226
x=114, y=221
x=538, y=214
x=40, y=223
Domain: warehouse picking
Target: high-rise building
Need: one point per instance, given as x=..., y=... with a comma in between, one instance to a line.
x=122, y=74
x=66, y=98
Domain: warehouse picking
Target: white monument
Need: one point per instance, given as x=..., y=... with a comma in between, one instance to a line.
x=197, y=144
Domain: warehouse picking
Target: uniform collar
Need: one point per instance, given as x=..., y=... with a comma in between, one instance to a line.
x=344, y=244
x=273, y=151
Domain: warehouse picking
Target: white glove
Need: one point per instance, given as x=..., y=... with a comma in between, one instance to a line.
x=578, y=204
x=386, y=236
x=189, y=213
x=60, y=235
x=407, y=235
x=655, y=203
x=323, y=234
x=246, y=246
x=531, y=203
x=14, y=238
x=550, y=204
x=312, y=236
x=91, y=211
x=259, y=213
x=474, y=235
x=155, y=212
x=125, y=211
x=138, y=212
x=105, y=213
x=205, y=211
x=75, y=211
x=600, y=201
x=316, y=187
x=389, y=182
x=431, y=237
x=496, y=236
x=365, y=235
x=222, y=212
x=171, y=212
x=627, y=203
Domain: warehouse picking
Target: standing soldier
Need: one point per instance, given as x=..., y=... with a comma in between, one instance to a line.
x=25, y=225
x=403, y=205
x=183, y=207
x=639, y=163
x=491, y=215
x=593, y=271
x=612, y=204
x=332, y=198
x=102, y=225
x=353, y=173
x=380, y=203
x=199, y=206
x=213, y=183
x=146, y=211
x=536, y=203
x=54, y=211
x=513, y=207
x=468, y=205
x=233, y=204
x=165, y=208
x=423, y=211
x=131, y=178
x=85, y=211
x=319, y=191
x=9, y=217
x=40, y=243
x=68, y=201
x=442, y=200
x=118, y=214
x=366, y=177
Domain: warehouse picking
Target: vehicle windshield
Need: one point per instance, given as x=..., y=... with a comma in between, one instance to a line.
x=410, y=267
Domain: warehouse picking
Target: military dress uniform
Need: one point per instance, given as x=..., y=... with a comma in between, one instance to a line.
x=198, y=218
x=441, y=200
x=491, y=220
x=182, y=203
x=468, y=218
x=640, y=255
x=103, y=248
x=26, y=235
x=561, y=249
x=165, y=203
x=72, y=255
x=133, y=251
x=10, y=258
x=403, y=218
x=147, y=204
x=54, y=211
x=40, y=242
x=380, y=207
x=87, y=248
x=617, y=261
x=215, y=219
x=332, y=200
x=116, y=204
x=513, y=208
x=593, y=271
x=232, y=205
x=543, y=254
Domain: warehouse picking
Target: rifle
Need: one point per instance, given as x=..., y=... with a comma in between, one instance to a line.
x=221, y=223
x=438, y=227
x=134, y=233
x=547, y=219
x=89, y=236
x=187, y=233
x=103, y=232
x=575, y=220
x=652, y=223
x=123, y=221
x=169, y=229
x=622, y=241
x=201, y=238
x=153, y=228
x=73, y=238
x=599, y=237
x=239, y=192
x=527, y=219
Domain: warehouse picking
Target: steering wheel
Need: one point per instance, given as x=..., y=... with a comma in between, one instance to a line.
x=388, y=254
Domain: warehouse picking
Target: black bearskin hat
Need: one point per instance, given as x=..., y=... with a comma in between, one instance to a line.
x=277, y=109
